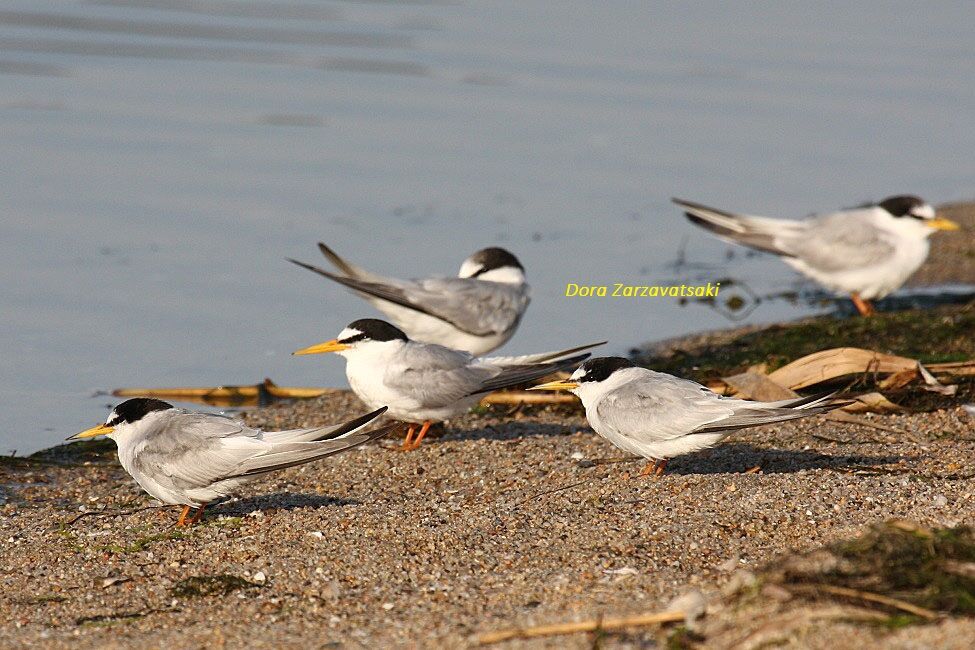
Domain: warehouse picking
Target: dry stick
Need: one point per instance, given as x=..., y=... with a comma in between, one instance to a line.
x=615, y=461
x=517, y=397
x=782, y=627
x=112, y=513
x=875, y=598
x=554, y=490
x=591, y=625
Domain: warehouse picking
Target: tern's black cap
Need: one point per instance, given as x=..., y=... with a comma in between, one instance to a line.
x=133, y=410
x=373, y=329
x=901, y=205
x=600, y=368
x=494, y=258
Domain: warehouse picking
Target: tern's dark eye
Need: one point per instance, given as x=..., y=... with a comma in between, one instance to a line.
x=353, y=339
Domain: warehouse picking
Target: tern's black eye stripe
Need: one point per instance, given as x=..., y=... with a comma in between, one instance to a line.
x=353, y=339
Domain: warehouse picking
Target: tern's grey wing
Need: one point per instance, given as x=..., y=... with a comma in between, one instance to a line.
x=348, y=268
x=297, y=453
x=525, y=359
x=194, y=450
x=752, y=414
x=434, y=375
x=514, y=375
x=840, y=241
x=474, y=306
x=322, y=433
x=760, y=233
x=660, y=407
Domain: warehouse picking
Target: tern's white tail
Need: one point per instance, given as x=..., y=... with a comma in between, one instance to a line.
x=761, y=233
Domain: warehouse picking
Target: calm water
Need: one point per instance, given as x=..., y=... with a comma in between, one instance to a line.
x=161, y=158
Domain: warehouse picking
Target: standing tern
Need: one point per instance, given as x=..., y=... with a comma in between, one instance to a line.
x=477, y=312
x=659, y=416
x=187, y=458
x=423, y=383
x=865, y=252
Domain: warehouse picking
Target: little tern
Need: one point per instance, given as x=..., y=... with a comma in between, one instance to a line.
x=659, y=416
x=865, y=252
x=423, y=383
x=478, y=311
x=189, y=458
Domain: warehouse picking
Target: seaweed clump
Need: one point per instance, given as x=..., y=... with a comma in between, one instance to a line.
x=930, y=568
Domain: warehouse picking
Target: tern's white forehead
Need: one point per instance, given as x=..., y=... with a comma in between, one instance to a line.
x=503, y=274
x=924, y=211
x=349, y=333
x=494, y=265
x=111, y=416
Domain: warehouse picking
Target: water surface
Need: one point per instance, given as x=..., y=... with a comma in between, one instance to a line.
x=161, y=158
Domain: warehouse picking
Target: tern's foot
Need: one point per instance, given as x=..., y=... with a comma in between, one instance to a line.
x=419, y=437
x=754, y=470
x=408, y=441
x=182, y=517
x=198, y=517
x=863, y=306
x=654, y=467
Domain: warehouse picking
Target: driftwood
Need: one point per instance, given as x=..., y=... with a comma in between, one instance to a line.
x=248, y=395
x=268, y=391
x=822, y=366
x=591, y=625
x=515, y=397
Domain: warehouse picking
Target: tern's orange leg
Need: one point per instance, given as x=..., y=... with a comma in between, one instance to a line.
x=409, y=437
x=182, y=517
x=419, y=436
x=199, y=514
x=659, y=469
x=863, y=306
x=655, y=467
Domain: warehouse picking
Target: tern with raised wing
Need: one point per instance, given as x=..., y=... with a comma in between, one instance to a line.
x=478, y=311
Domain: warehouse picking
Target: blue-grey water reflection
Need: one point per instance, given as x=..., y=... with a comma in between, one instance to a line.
x=161, y=158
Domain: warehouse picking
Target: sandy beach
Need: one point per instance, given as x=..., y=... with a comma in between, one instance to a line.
x=501, y=520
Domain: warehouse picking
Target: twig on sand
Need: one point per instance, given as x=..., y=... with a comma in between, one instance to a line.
x=518, y=397
x=591, y=625
x=615, y=461
x=554, y=490
x=111, y=513
x=870, y=597
x=782, y=627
